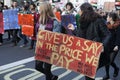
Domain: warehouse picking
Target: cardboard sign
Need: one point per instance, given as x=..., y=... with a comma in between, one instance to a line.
x=27, y=30
x=109, y=6
x=26, y=19
x=1, y=24
x=10, y=19
x=77, y=54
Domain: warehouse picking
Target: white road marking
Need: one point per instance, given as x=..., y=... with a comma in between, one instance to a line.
x=4, y=67
x=41, y=74
x=78, y=77
x=18, y=64
x=99, y=78
x=64, y=74
x=11, y=69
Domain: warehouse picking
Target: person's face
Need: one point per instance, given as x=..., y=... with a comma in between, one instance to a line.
x=31, y=7
x=54, y=10
x=14, y=4
x=80, y=12
x=23, y=8
x=68, y=7
x=109, y=19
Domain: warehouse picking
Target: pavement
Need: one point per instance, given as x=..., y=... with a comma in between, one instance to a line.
x=18, y=63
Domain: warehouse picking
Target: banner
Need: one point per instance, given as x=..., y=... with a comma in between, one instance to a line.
x=27, y=30
x=26, y=19
x=10, y=19
x=1, y=24
x=67, y=19
x=77, y=54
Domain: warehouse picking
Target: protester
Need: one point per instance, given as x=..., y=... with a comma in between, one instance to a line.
x=47, y=22
x=5, y=7
x=69, y=9
x=15, y=39
x=25, y=10
x=92, y=27
x=57, y=13
x=1, y=6
x=113, y=24
x=36, y=17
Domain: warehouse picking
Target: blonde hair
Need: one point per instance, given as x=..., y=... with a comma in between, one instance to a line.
x=46, y=12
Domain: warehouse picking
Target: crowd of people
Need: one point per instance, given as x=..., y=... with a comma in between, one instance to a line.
x=91, y=24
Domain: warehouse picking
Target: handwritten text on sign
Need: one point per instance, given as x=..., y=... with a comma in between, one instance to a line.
x=67, y=51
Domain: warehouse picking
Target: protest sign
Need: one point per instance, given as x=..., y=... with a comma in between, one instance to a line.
x=1, y=24
x=26, y=19
x=68, y=19
x=27, y=30
x=10, y=18
x=77, y=54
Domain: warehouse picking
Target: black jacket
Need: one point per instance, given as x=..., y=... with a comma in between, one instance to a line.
x=117, y=42
x=96, y=31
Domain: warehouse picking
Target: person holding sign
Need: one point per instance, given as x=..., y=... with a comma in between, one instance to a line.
x=113, y=24
x=25, y=10
x=47, y=22
x=68, y=17
x=92, y=27
x=36, y=18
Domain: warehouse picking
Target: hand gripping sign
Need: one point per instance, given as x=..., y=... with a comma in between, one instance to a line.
x=77, y=54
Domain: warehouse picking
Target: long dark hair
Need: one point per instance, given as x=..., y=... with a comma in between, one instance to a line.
x=88, y=13
x=70, y=4
x=114, y=16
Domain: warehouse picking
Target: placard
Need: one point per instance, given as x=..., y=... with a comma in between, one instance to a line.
x=68, y=19
x=10, y=18
x=77, y=54
x=27, y=30
x=26, y=19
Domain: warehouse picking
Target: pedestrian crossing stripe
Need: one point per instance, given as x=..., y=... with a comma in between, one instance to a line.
x=19, y=66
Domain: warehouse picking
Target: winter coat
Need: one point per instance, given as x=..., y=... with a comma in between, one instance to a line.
x=96, y=31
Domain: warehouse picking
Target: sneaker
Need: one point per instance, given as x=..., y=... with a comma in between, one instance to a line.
x=54, y=77
x=116, y=72
x=30, y=48
x=106, y=77
x=23, y=45
x=0, y=44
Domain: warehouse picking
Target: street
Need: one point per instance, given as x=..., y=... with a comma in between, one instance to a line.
x=17, y=63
